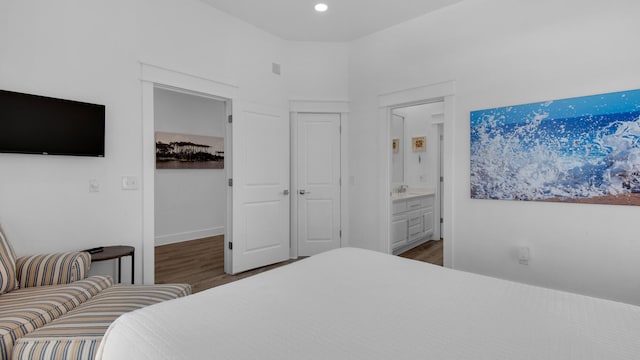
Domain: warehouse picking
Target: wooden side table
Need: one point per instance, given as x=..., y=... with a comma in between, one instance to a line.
x=116, y=252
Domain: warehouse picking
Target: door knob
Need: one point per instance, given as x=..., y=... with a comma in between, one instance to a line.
x=303, y=191
x=286, y=192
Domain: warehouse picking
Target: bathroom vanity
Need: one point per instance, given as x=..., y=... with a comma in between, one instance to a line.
x=412, y=219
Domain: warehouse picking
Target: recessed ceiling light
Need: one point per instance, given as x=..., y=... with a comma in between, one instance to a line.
x=320, y=7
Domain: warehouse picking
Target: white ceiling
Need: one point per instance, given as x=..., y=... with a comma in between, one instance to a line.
x=345, y=20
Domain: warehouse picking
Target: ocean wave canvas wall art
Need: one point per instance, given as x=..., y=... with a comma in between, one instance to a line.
x=584, y=149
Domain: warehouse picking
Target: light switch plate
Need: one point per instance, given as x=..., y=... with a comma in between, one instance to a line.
x=94, y=185
x=129, y=183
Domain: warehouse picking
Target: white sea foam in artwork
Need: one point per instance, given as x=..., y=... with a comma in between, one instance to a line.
x=574, y=148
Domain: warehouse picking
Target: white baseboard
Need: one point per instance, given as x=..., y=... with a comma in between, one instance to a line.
x=188, y=235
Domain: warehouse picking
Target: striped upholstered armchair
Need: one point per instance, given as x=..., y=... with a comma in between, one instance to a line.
x=52, y=269
x=36, y=290
x=51, y=309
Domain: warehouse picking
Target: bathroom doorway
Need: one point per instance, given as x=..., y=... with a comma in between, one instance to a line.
x=443, y=93
x=416, y=176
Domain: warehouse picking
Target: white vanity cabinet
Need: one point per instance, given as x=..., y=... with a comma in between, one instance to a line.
x=411, y=221
x=399, y=231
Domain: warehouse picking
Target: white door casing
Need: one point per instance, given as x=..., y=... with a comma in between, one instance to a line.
x=155, y=76
x=445, y=92
x=440, y=191
x=318, y=190
x=260, y=214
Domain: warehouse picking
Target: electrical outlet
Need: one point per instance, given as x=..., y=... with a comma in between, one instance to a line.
x=523, y=255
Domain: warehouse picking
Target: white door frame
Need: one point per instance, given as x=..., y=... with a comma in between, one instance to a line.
x=440, y=182
x=154, y=76
x=323, y=107
x=421, y=95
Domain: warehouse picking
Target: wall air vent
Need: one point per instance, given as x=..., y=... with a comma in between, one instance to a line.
x=275, y=68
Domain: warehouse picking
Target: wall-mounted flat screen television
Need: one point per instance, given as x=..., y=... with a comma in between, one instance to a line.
x=33, y=124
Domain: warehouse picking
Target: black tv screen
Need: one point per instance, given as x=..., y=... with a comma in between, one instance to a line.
x=33, y=124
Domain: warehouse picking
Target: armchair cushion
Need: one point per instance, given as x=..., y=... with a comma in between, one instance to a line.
x=52, y=269
x=78, y=333
x=24, y=310
x=7, y=265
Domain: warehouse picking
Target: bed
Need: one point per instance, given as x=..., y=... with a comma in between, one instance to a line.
x=358, y=304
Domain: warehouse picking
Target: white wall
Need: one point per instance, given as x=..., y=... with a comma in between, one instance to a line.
x=189, y=203
x=316, y=71
x=502, y=52
x=91, y=51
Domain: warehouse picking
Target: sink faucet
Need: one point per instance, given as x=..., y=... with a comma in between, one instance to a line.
x=403, y=188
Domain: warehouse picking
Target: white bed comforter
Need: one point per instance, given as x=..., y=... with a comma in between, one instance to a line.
x=359, y=304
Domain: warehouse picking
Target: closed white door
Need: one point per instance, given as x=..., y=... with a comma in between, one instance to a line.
x=260, y=221
x=318, y=183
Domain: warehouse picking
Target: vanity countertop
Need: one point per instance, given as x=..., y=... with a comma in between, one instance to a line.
x=411, y=193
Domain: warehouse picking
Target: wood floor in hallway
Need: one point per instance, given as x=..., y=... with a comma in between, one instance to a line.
x=201, y=262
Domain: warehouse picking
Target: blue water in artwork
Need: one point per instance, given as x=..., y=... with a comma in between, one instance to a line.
x=571, y=148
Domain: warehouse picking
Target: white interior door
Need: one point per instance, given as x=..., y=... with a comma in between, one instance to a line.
x=318, y=190
x=260, y=141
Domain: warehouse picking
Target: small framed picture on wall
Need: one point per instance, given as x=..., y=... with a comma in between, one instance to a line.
x=419, y=143
x=395, y=145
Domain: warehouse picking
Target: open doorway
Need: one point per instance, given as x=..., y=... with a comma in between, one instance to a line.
x=154, y=77
x=441, y=124
x=415, y=179
x=190, y=193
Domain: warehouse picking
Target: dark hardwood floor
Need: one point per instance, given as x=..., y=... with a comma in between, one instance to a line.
x=200, y=262
x=195, y=262
x=430, y=252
